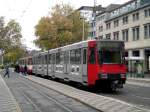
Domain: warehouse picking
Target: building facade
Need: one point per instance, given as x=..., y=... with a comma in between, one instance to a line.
x=87, y=13
x=129, y=22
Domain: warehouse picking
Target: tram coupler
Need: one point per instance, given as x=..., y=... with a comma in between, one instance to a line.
x=116, y=84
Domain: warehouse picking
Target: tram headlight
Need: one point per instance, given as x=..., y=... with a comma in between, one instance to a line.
x=104, y=76
x=123, y=76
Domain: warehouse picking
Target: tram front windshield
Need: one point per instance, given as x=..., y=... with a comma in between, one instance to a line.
x=110, y=52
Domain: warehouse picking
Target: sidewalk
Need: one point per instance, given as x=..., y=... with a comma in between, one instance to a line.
x=99, y=102
x=7, y=101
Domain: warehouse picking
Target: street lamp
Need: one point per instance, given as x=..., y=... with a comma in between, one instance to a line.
x=2, y=52
x=83, y=29
x=83, y=23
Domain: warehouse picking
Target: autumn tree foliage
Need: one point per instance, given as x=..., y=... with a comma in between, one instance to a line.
x=63, y=26
x=10, y=40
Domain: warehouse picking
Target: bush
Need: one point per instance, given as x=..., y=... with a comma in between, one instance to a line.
x=1, y=66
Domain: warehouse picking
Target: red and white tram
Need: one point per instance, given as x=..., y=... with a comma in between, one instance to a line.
x=26, y=61
x=92, y=62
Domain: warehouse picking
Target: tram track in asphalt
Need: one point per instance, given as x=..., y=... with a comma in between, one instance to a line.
x=50, y=99
x=28, y=88
x=31, y=102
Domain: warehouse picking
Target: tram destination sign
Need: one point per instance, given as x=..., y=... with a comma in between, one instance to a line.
x=109, y=45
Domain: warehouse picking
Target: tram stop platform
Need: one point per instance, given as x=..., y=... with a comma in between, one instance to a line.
x=7, y=101
x=99, y=102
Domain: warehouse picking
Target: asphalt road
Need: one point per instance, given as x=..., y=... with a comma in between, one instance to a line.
x=33, y=97
x=132, y=94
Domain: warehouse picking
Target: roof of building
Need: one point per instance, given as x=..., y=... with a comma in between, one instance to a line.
x=108, y=8
x=86, y=8
x=112, y=7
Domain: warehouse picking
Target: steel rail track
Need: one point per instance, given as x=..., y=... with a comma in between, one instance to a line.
x=47, y=96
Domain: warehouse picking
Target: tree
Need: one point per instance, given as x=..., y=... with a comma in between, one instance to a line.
x=63, y=26
x=10, y=35
x=13, y=32
x=10, y=40
x=12, y=56
x=2, y=32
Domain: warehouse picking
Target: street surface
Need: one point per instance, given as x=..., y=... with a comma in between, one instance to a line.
x=33, y=97
x=132, y=94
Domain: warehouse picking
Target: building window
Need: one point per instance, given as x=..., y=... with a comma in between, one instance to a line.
x=93, y=24
x=125, y=20
x=136, y=33
x=108, y=25
x=93, y=34
x=126, y=54
x=100, y=37
x=101, y=18
x=147, y=12
x=116, y=35
x=116, y=23
x=135, y=16
x=108, y=36
x=147, y=31
x=100, y=28
x=125, y=35
x=136, y=53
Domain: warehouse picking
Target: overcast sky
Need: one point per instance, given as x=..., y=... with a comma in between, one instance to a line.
x=28, y=12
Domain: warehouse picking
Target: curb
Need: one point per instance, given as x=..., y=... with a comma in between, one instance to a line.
x=139, y=79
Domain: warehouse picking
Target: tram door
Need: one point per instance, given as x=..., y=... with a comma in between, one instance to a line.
x=84, y=65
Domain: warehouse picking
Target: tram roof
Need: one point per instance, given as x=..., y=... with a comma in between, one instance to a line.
x=76, y=44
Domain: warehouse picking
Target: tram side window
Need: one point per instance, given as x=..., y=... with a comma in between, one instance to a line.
x=45, y=59
x=66, y=61
x=50, y=59
x=92, y=56
x=58, y=58
x=84, y=56
x=42, y=59
x=72, y=57
x=78, y=56
x=35, y=60
x=39, y=60
x=62, y=58
x=53, y=58
x=75, y=56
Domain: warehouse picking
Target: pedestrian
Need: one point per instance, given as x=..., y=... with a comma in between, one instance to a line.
x=17, y=68
x=6, y=71
x=25, y=70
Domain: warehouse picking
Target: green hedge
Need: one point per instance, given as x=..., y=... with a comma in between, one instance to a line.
x=1, y=66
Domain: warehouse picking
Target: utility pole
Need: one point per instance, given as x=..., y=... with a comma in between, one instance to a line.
x=94, y=17
x=83, y=25
x=2, y=58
